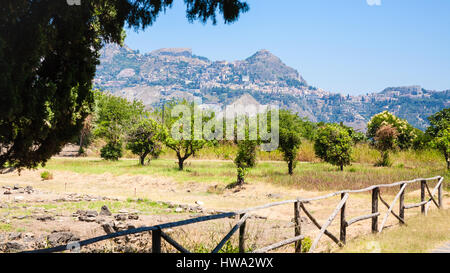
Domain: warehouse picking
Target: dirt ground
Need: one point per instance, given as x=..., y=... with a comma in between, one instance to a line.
x=164, y=200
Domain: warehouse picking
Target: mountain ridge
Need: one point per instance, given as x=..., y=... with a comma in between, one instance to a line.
x=178, y=73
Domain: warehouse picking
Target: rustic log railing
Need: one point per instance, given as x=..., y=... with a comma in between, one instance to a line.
x=299, y=205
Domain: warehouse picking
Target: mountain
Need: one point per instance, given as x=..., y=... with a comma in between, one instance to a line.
x=169, y=73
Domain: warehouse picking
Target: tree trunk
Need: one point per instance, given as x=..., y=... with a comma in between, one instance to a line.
x=142, y=159
x=290, y=167
x=448, y=161
x=180, y=163
x=80, y=150
x=240, y=180
x=342, y=168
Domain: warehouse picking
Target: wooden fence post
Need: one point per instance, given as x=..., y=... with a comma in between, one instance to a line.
x=422, y=195
x=242, y=236
x=156, y=241
x=375, y=193
x=298, y=227
x=441, y=204
x=401, y=212
x=343, y=231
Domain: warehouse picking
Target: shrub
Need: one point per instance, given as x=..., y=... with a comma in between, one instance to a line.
x=406, y=133
x=46, y=175
x=111, y=151
x=333, y=144
x=245, y=159
x=306, y=244
x=385, y=140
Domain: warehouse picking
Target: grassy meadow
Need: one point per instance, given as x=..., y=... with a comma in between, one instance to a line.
x=214, y=164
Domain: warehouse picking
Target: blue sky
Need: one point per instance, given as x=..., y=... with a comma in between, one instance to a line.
x=345, y=46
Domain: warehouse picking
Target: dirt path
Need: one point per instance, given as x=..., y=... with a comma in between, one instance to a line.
x=445, y=248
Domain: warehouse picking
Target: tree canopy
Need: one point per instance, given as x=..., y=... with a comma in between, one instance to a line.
x=290, y=137
x=333, y=144
x=406, y=133
x=49, y=51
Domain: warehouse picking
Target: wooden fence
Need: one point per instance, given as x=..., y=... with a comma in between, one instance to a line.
x=299, y=206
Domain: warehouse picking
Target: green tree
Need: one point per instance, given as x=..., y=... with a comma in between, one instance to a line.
x=181, y=136
x=245, y=159
x=290, y=127
x=385, y=140
x=406, y=133
x=438, y=132
x=49, y=51
x=113, y=116
x=333, y=144
x=145, y=138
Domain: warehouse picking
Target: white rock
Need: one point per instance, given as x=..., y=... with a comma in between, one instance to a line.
x=178, y=210
x=200, y=203
x=18, y=198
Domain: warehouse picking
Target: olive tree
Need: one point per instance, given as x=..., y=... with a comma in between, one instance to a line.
x=180, y=119
x=290, y=137
x=333, y=144
x=145, y=139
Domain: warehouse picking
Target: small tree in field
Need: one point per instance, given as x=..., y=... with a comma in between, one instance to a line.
x=181, y=138
x=385, y=141
x=145, y=138
x=289, y=133
x=439, y=132
x=245, y=159
x=113, y=116
x=406, y=133
x=333, y=144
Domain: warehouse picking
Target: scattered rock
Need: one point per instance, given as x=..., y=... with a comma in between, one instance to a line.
x=18, y=198
x=200, y=203
x=91, y=213
x=29, y=189
x=85, y=218
x=45, y=218
x=13, y=236
x=133, y=216
x=108, y=227
x=16, y=187
x=274, y=195
x=105, y=211
x=7, y=192
x=61, y=238
x=123, y=211
x=121, y=217
x=12, y=247
x=178, y=210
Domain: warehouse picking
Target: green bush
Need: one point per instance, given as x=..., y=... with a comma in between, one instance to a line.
x=306, y=244
x=333, y=144
x=111, y=151
x=46, y=175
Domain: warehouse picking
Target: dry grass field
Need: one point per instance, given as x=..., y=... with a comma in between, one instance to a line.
x=126, y=185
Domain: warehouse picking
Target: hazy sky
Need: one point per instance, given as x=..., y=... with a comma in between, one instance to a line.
x=346, y=46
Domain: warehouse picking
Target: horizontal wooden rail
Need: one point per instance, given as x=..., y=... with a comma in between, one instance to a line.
x=416, y=205
x=360, y=218
x=279, y=244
